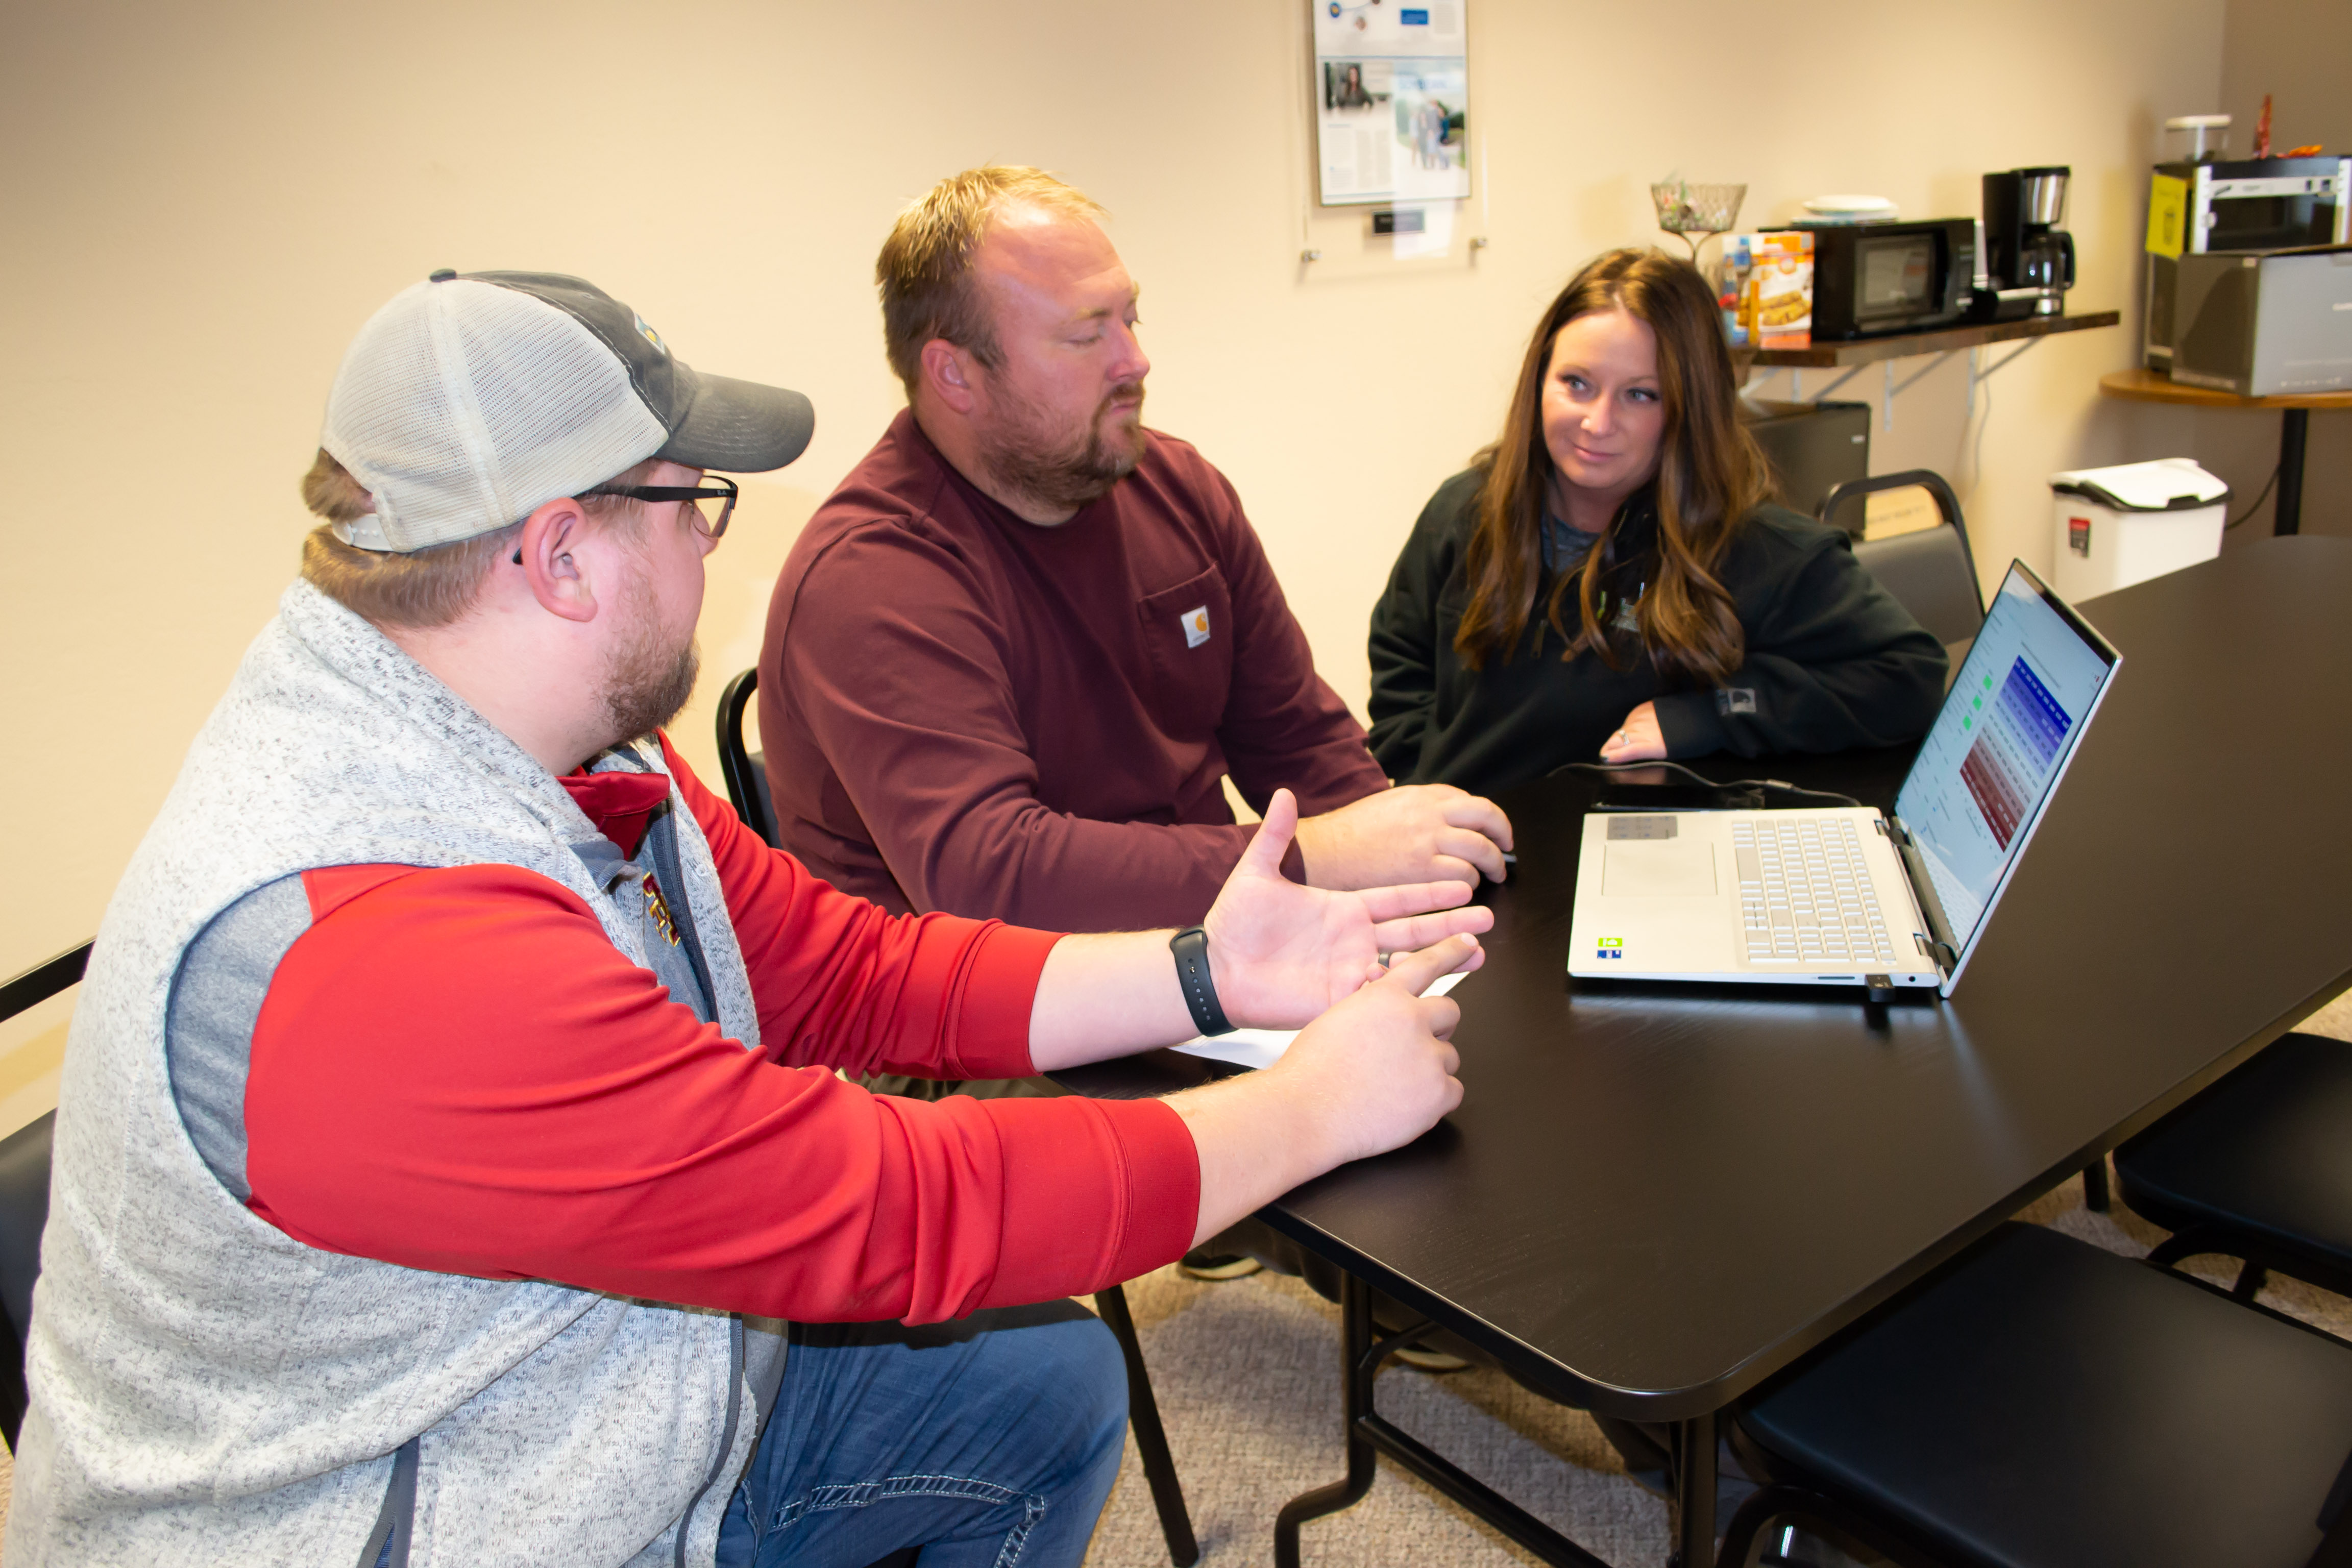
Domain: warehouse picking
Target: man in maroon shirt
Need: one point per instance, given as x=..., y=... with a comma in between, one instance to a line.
x=1010, y=663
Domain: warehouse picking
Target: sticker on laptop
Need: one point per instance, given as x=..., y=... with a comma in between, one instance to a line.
x=1612, y=947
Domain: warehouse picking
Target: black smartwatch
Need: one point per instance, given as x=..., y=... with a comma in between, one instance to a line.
x=1190, y=947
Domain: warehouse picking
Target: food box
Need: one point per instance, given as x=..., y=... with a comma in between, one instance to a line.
x=1779, y=309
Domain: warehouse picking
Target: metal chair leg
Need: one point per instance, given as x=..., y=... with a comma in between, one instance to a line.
x=1150, y=1437
x=2251, y=1277
x=1743, y=1534
x=2194, y=1242
x=1783, y=1510
x=2095, y=1185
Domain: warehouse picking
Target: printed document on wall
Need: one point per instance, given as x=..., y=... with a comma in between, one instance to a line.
x=1392, y=102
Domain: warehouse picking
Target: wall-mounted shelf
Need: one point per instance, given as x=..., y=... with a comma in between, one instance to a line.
x=1943, y=340
x=1851, y=355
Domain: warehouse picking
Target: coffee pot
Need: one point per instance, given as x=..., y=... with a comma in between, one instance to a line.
x=2025, y=247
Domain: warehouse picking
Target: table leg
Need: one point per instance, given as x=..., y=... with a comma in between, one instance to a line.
x=1355, y=1400
x=1368, y=1436
x=1694, y=1492
x=2294, y=424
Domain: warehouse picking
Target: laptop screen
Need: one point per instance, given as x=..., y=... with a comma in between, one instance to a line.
x=2012, y=718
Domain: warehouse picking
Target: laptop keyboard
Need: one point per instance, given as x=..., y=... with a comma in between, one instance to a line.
x=1805, y=897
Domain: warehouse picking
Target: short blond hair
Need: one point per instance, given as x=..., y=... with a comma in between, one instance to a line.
x=417, y=589
x=925, y=269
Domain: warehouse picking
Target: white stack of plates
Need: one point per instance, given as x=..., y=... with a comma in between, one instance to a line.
x=1850, y=209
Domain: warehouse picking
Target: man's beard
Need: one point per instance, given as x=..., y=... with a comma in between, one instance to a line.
x=1027, y=458
x=644, y=683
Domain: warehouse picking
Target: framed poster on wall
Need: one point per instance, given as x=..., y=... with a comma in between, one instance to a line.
x=1392, y=102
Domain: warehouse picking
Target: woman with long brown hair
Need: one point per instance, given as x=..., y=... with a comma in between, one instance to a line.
x=1610, y=579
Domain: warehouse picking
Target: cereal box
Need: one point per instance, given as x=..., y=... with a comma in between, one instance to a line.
x=1779, y=288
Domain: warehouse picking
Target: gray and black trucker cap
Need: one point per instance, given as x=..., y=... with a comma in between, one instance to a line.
x=473, y=398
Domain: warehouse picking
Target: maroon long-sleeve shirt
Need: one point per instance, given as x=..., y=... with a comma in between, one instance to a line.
x=963, y=711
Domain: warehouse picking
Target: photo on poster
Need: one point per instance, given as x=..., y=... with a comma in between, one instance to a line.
x=1392, y=103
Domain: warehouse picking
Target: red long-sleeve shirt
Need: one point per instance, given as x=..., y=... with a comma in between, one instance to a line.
x=456, y=1071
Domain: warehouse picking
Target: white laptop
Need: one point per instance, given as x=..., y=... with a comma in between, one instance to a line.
x=1846, y=896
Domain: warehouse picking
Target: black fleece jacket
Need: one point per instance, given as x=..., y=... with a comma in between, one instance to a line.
x=1832, y=661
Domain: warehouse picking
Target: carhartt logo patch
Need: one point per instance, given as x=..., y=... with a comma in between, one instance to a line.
x=1196, y=626
x=1736, y=699
x=647, y=333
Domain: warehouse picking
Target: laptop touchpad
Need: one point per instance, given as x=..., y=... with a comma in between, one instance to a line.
x=1657, y=869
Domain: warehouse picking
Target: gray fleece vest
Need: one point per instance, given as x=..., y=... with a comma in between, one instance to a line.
x=207, y=1389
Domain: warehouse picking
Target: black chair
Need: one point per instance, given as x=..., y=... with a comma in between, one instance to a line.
x=744, y=770
x=2042, y=1404
x=1930, y=572
x=25, y=1196
x=2258, y=1167
x=746, y=777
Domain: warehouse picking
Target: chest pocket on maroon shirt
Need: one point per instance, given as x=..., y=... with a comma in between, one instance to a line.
x=1187, y=633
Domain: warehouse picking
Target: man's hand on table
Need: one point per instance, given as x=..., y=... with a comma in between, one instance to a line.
x=1371, y=1075
x=1380, y=1064
x=1413, y=832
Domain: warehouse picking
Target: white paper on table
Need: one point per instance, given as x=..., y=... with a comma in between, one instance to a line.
x=1263, y=1047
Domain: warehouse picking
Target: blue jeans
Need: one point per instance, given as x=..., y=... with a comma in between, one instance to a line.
x=988, y=1442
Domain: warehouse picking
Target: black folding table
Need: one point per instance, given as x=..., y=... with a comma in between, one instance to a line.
x=1653, y=1198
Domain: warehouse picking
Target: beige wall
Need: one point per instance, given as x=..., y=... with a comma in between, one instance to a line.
x=2296, y=50
x=204, y=202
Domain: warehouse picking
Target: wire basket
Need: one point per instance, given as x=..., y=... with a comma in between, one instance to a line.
x=1695, y=212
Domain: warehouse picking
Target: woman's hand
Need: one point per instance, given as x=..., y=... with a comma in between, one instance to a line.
x=1638, y=740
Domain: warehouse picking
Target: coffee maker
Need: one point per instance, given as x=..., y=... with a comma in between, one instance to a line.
x=2029, y=259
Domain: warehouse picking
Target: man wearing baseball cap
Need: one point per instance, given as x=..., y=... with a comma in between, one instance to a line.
x=450, y=1164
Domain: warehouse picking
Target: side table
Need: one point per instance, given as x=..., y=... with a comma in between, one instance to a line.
x=2144, y=386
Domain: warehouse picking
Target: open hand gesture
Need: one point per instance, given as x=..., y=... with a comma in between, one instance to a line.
x=1280, y=954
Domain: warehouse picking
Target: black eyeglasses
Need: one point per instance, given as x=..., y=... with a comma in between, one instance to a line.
x=715, y=488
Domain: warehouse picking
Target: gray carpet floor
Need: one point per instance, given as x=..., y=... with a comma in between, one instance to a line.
x=1247, y=1376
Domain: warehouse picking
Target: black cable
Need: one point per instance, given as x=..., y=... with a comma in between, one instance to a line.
x=2258, y=500
x=1608, y=769
x=1976, y=453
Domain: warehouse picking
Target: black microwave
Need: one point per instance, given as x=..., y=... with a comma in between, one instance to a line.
x=1874, y=278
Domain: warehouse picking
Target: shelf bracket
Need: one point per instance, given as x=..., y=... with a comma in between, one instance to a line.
x=1840, y=381
x=1977, y=372
x=2014, y=355
x=1896, y=388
